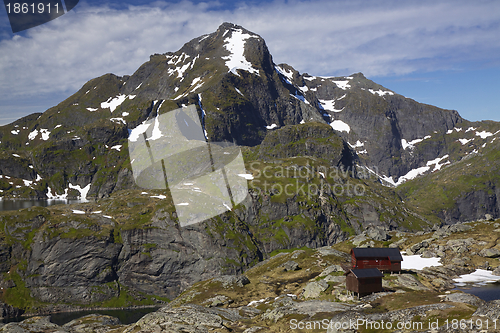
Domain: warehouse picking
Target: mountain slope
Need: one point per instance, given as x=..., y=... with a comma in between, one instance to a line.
x=231, y=78
x=317, y=152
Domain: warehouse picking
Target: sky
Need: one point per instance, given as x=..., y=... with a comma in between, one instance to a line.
x=444, y=53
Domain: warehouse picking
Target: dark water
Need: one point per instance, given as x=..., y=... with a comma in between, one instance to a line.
x=126, y=316
x=487, y=292
x=20, y=204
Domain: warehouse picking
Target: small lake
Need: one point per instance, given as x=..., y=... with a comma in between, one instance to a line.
x=20, y=204
x=126, y=317
x=486, y=291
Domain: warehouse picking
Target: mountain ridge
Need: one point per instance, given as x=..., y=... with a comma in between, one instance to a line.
x=338, y=145
x=393, y=136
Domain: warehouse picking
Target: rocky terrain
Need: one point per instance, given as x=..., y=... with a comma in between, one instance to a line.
x=301, y=287
x=331, y=163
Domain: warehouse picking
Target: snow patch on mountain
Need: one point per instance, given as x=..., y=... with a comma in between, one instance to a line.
x=412, y=174
x=484, y=134
x=136, y=132
x=464, y=141
x=344, y=85
x=45, y=133
x=196, y=84
x=83, y=191
x=381, y=92
x=156, y=134
x=328, y=105
x=203, y=116
x=239, y=92
x=437, y=163
x=339, y=125
x=286, y=75
x=113, y=102
x=300, y=97
x=236, y=46
x=358, y=144
x=455, y=129
x=270, y=127
x=405, y=144
x=118, y=120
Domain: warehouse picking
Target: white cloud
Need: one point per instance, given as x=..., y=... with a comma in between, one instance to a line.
x=318, y=37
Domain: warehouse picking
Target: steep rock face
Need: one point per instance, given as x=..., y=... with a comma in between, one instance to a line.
x=166, y=259
x=473, y=206
x=311, y=139
x=375, y=118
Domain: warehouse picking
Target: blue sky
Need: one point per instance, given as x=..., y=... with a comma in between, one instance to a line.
x=444, y=53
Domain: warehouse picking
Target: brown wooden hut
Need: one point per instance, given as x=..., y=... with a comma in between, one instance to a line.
x=385, y=259
x=364, y=281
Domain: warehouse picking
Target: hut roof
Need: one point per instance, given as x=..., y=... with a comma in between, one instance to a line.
x=362, y=273
x=392, y=253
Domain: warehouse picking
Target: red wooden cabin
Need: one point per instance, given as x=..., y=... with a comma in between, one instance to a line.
x=364, y=281
x=385, y=259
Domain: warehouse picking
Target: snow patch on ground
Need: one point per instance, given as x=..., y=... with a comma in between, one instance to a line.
x=161, y=196
x=480, y=276
x=418, y=263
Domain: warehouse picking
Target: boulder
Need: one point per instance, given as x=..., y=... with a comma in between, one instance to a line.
x=464, y=298
x=377, y=234
x=229, y=281
x=490, y=253
x=314, y=289
x=92, y=323
x=336, y=279
x=218, y=300
x=297, y=253
x=33, y=324
x=331, y=269
x=409, y=281
x=290, y=266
